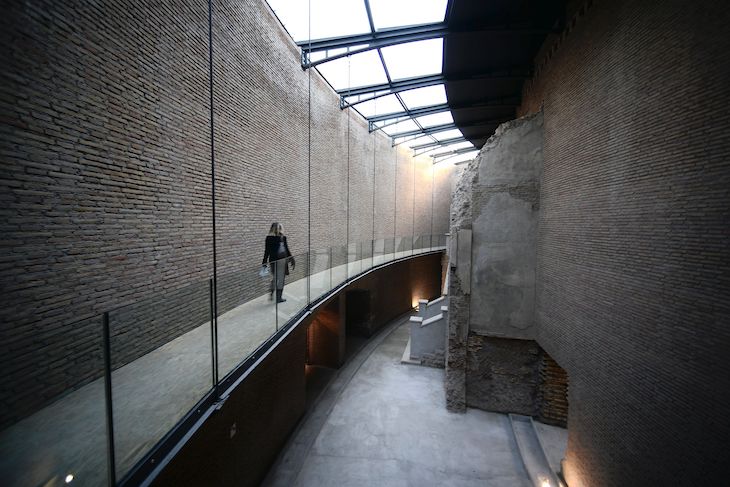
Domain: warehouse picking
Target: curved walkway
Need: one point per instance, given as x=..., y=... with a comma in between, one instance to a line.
x=384, y=423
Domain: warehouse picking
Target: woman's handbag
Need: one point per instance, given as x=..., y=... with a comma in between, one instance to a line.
x=264, y=272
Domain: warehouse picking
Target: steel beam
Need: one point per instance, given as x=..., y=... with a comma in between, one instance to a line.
x=424, y=81
x=440, y=143
x=501, y=102
x=446, y=126
x=426, y=131
x=416, y=112
x=456, y=152
x=399, y=35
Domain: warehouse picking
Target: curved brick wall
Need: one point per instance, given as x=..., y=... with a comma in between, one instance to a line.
x=106, y=176
x=633, y=258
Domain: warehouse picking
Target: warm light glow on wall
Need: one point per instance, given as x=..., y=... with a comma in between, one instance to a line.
x=414, y=302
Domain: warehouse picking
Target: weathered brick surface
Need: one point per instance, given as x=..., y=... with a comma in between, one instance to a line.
x=503, y=374
x=106, y=177
x=633, y=251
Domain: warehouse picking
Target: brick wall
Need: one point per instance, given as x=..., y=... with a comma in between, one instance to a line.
x=633, y=242
x=106, y=176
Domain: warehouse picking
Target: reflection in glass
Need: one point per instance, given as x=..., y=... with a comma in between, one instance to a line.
x=68, y=435
x=161, y=366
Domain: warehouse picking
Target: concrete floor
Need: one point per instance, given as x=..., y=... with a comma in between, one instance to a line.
x=385, y=423
x=149, y=395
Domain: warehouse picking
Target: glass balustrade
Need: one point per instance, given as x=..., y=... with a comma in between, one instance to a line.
x=166, y=354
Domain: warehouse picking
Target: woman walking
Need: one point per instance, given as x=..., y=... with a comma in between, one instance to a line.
x=277, y=254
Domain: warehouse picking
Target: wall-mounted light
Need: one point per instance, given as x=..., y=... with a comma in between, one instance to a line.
x=69, y=478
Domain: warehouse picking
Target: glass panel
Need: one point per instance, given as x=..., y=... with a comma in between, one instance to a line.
x=320, y=276
x=379, y=106
x=461, y=158
x=367, y=254
x=422, y=97
x=339, y=264
x=161, y=353
x=414, y=59
x=293, y=285
x=330, y=18
x=353, y=263
x=435, y=119
x=423, y=139
x=387, y=13
x=378, y=251
x=446, y=149
x=389, y=249
x=66, y=433
x=448, y=134
x=246, y=314
x=399, y=127
x=362, y=69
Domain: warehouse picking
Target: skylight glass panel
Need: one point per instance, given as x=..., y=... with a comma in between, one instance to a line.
x=460, y=158
x=330, y=18
x=390, y=13
x=422, y=97
x=397, y=128
x=435, y=119
x=294, y=15
x=379, y=106
x=413, y=140
x=448, y=134
x=361, y=70
x=448, y=148
x=414, y=58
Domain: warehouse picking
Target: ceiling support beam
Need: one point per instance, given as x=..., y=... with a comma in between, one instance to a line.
x=377, y=39
x=501, y=102
x=445, y=127
x=384, y=89
x=456, y=152
x=440, y=143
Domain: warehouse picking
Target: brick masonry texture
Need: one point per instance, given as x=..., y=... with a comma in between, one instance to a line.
x=634, y=238
x=106, y=177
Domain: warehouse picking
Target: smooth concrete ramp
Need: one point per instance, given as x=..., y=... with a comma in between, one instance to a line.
x=532, y=452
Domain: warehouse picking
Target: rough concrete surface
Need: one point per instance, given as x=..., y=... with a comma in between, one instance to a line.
x=505, y=207
x=389, y=428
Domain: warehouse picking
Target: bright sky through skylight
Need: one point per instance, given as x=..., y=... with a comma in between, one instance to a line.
x=421, y=97
x=379, y=106
x=435, y=119
x=448, y=134
x=337, y=18
x=393, y=13
x=330, y=18
x=400, y=127
x=414, y=58
x=359, y=70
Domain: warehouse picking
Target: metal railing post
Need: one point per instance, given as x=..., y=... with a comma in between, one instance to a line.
x=111, y=464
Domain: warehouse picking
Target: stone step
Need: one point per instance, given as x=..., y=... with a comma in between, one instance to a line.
x=533, y=453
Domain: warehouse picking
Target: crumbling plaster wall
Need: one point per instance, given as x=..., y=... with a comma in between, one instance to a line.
x=494, y=215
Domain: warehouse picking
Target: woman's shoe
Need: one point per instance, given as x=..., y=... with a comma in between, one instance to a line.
x=279, y=299
x=271, y=295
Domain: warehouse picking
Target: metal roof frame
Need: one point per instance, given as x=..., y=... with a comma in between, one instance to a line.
x=445, y=127
x=377, y=39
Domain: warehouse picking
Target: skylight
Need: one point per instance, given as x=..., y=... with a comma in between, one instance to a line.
x=414, y=58
x=448, y=134
x=329, y=18
x=435, y=119
x=380, y=106
x=421, y=97
x=325, y=33
x=360, y=70
x=389, y=13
